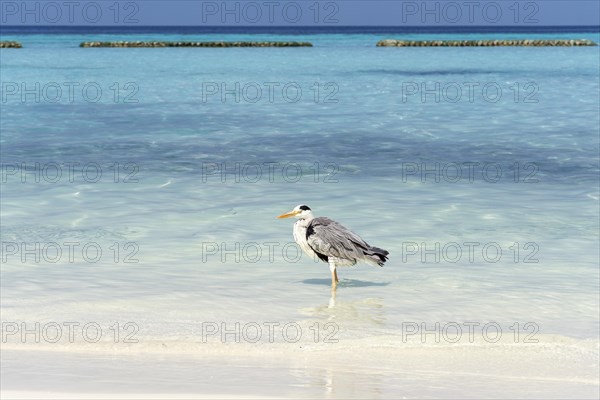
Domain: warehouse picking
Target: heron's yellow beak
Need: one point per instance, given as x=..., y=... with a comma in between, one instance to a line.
x=289, y=214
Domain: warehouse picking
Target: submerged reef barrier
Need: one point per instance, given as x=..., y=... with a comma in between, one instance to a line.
x=195, y=44
x=10, y=45
x=381, y=43
x=484, y=43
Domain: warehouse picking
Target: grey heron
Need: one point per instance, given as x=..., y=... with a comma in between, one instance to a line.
x=331, y=242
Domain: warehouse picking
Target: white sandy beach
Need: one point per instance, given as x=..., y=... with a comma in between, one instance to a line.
x=556, y=367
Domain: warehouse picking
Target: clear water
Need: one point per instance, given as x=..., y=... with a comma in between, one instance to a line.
x=177, y=215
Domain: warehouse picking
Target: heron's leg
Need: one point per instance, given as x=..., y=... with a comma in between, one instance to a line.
x=332, y=298
x=334, y=280
x=335, y=274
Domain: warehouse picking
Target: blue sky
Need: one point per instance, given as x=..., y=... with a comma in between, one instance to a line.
x=300, y=12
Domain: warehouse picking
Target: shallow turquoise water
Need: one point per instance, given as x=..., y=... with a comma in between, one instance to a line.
x=355, y=153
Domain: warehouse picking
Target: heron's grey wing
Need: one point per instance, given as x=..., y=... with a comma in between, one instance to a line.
x=332, y=239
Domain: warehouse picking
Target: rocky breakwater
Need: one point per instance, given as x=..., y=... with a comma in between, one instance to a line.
x=483, y=43
x=10, y=45
x=195, y=44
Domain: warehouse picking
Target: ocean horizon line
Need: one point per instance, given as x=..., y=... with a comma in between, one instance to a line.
x=310, y=29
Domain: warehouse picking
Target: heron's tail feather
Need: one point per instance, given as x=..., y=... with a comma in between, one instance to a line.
x=377, y=256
